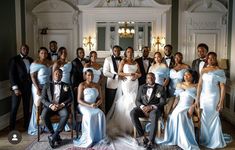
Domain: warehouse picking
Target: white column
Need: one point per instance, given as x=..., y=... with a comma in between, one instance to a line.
x=18, y=24
x=232, y=61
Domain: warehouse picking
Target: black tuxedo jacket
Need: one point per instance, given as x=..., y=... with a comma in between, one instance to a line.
x=142, y=79
x=157, y=98
x=172, y=63
x=195, y=68
x=18, y=71
x=77, y=72
x=48, y=94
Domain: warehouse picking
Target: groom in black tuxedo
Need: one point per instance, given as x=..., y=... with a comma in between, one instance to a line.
x=56, y=96
x=150, y=103
x=20, y=80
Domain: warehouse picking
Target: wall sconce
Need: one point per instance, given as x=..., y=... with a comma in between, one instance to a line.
x=223, y=63
x=88, y=41
x=159, y=42
x=44, y=31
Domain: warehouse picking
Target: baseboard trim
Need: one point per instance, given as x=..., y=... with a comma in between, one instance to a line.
x=228, y=116
x=6, y=117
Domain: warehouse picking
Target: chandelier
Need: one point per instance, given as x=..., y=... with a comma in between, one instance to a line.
x=126, y=32
x=119, y=1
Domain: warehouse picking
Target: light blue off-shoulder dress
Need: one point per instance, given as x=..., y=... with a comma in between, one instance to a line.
x=175, y=78
x=66, y=68
x=161, y=74
x=93, y=121
x=211, y=135
x=97, y=73
x=43, y=76
x=180, y=129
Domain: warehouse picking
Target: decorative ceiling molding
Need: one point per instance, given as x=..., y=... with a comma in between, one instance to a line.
x=207, y=6
x=125, y=3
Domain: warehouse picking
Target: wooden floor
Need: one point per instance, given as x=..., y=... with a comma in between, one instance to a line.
x=28, y=139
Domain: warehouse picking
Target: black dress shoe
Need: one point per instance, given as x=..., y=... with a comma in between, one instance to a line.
x=145, y=142
x=51, y=141
x=149, y=147
x=58, y=139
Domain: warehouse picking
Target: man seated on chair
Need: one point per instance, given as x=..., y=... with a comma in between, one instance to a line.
x=150, y=103
x=56, y=96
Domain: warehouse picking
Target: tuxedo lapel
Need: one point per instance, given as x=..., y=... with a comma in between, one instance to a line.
x=52, y=91
x=144, y=93
x=61, y=91
x=153, y=93
x=114, y=64
x=21, y=62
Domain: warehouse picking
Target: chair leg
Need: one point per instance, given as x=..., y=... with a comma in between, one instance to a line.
x=38, y=125
x=159, y=129
x=134, y=129
x=71, y=126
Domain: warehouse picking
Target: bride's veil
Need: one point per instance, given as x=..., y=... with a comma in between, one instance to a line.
x=112, y=109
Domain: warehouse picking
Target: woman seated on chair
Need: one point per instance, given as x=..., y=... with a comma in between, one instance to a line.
x=180, y=129
x=93, y=119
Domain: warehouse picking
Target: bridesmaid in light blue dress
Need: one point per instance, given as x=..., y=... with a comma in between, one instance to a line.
x=63, y=64
x=93, y=119
x=210, y=96
x=40, y=74
x=176, y=76
x=160, y=70
x=180, y=129
x=95, y=67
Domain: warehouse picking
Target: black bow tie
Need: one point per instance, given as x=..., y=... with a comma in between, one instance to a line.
x=57, y=83
x=54, y=54
x=167, y=57
x=145, y=58
x=200, y=60
x=117, y=58
x=150, y=86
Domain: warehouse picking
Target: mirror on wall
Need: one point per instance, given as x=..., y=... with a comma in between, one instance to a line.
x=135, y=34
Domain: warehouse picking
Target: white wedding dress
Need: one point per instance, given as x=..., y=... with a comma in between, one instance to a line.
x=118, y=118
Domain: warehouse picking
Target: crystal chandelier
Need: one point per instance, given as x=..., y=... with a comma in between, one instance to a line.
x=119, y=1
x=126, y=32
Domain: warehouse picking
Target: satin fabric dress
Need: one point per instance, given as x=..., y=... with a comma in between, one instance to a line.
x=43, y=76
x=118, y=118
x=66, y=68
x=211, y=135
x=96, y=73
x=180, y=129
x=93, y=121
x=175, y=78
x=161, y=73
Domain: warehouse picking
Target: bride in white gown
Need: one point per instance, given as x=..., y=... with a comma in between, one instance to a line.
x=118, y=118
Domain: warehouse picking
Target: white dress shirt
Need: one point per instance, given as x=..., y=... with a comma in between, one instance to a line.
x=201, y=65
x=26, y=62
x=146, y=64
x=57, y=88
x=168, y=61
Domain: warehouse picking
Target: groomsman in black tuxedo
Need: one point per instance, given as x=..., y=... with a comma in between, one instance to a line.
x=150, y=103
x=168, y=59
x=144, y=63
x=110, y=70
x=56, y=96
x=20, y=85
x=77, y=69
x=199, y=63
x=53, y=55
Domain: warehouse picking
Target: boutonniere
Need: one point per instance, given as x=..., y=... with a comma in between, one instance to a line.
x=158, y=95
x=65, y=88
